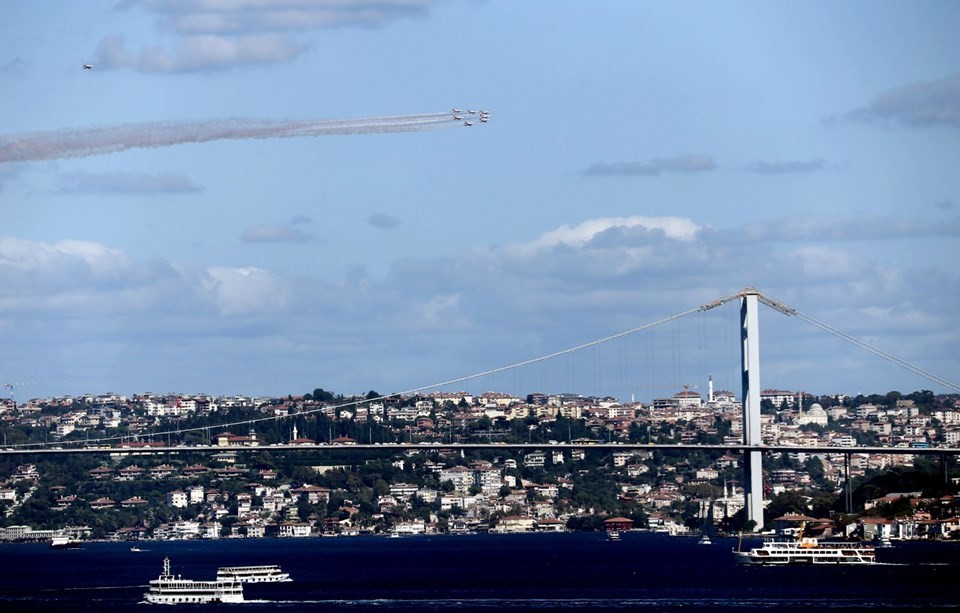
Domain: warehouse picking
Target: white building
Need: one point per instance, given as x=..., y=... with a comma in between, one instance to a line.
x=289, y=529
x=178, y=499
x=815, y=415
x=535, y=459
x=410, y=528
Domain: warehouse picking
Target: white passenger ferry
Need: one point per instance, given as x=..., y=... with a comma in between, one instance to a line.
x=807, y=550
x=64, y=542
x=252, y=574
x=168, y=589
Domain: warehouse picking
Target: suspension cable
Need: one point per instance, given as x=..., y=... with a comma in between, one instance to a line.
x=791, y=312
x=416, y=390
x=774, y=304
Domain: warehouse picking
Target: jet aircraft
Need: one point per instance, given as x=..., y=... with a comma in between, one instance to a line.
x=88, y=66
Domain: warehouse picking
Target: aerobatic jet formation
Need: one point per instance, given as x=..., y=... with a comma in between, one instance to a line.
x=458, y=115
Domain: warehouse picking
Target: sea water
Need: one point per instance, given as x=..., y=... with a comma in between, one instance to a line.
x=544, y=572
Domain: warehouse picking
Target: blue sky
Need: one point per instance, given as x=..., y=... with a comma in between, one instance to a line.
x=643, y=158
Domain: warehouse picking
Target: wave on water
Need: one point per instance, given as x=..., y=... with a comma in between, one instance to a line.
x=658, y=604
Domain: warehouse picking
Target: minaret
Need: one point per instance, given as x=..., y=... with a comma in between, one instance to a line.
x=710, y=389
x=294, y=432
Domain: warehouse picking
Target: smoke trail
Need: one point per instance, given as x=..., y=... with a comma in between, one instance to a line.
x=84, y=142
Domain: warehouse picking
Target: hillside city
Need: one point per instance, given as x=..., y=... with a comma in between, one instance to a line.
x=248, y=489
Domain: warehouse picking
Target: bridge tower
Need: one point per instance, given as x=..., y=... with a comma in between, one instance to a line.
x=750, y=385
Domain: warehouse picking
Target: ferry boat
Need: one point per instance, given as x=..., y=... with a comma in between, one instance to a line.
x=613, y=536
x=167, y=589
x=807, y=550
x=64, y=542
x=252, y=574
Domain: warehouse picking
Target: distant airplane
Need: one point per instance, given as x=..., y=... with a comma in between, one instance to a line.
x=457, y=118
x=456, y=110
x=484, y=119
x=472, y=112
x=467, y=123
x=88, y=66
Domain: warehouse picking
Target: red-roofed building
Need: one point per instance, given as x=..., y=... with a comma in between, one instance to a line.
x=618, y=524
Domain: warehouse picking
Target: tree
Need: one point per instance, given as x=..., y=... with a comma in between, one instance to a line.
x=814, y=468
x=789, y=502
x=319, y=395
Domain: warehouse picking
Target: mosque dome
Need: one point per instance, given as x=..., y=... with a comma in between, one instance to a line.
x=816, y=415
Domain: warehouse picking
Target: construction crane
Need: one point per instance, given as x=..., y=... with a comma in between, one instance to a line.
x=13, y=389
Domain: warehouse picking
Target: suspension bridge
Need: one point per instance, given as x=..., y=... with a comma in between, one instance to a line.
x=751, y=447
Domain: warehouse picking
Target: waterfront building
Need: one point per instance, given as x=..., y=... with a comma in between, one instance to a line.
x=550, y=524
x=515, y=523
x=295, y=529
x=410, y=528
x=618, y=524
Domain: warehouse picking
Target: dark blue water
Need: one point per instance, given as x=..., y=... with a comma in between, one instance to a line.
x=482, y=573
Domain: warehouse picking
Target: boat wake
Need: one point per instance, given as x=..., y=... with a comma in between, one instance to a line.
x=552, y=604
x=914, y=564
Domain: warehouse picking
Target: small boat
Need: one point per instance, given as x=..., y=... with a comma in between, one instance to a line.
x=64, y=542
x=169, y=589
x=136, y=549
x=613, y=536
x=704, y=540
x=252, y=574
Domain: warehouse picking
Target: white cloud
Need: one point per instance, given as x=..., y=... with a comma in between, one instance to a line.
x=212, y=52
x=431, y=319
x=239, y=291
x=255, y=15
x=220, y=35
x=677, y=228
x=818, y=262
x=31, y=258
